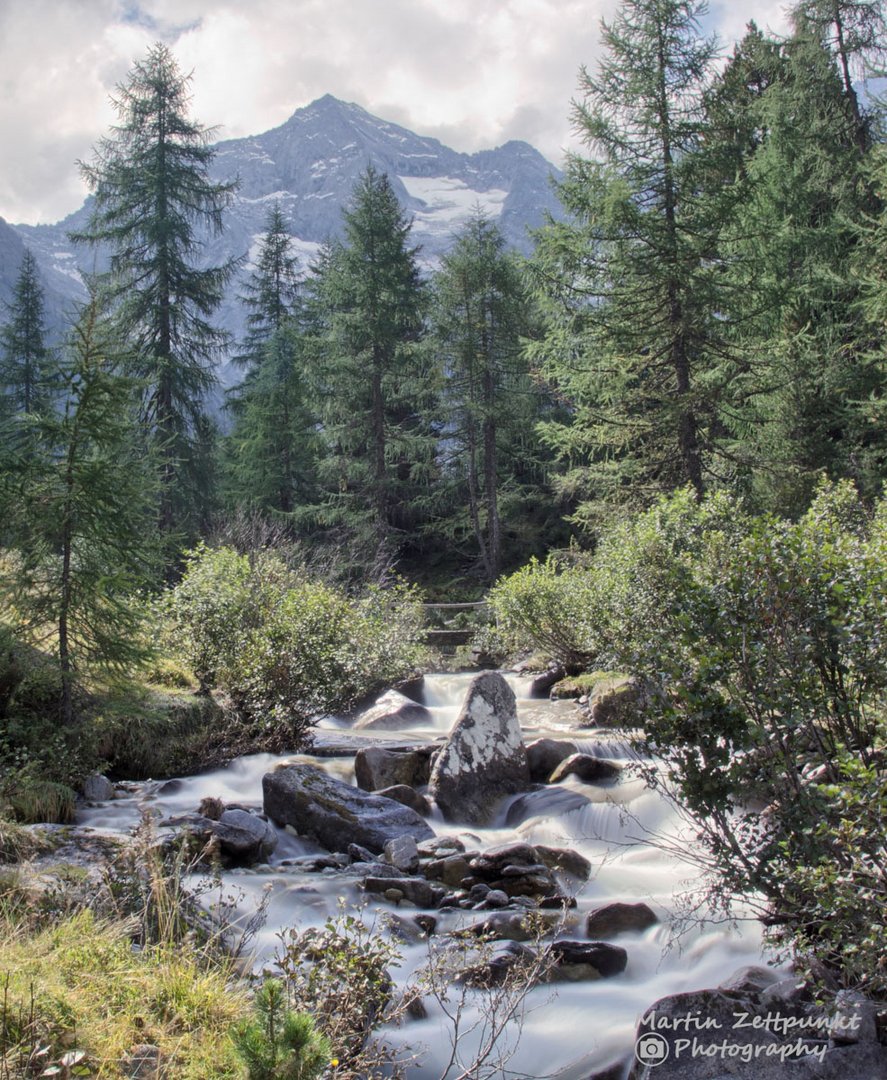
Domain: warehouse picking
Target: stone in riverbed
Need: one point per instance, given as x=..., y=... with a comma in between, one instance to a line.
x=376, y=767
x=244, y=837
x=97, y=788
x=580, y=960
x=547, y=802
x=591, y=770
x=392, y=712
x=415, y=889
x=334, y=813
x=484, y=758
x=403, y=853
x=406, y=795
x=544, y=756
x=618, y=918
x=565, y=860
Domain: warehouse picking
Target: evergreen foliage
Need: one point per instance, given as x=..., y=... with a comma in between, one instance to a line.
x=151, y=190
x=273, y=447
x=491, y=471
x=25, y=362
x=627, y=284
x=79, y=512
x=374, y=382
x=279, y=1044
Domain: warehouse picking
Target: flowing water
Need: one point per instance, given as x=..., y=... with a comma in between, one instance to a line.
x=626, y=831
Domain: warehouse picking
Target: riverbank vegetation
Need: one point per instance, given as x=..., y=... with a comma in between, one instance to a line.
x=658, y=446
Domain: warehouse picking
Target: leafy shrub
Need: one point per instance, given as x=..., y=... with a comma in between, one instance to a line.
x=551, y=606
x=769, y=645
x=285, y=647
x=340, y=974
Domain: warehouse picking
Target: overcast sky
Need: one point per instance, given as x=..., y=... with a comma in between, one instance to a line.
x=472, y=73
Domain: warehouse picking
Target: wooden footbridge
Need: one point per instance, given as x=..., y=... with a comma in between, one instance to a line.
x=445, y=629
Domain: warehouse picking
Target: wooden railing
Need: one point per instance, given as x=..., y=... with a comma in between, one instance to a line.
x=439, y=634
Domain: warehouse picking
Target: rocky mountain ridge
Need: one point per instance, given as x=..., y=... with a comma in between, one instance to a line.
x=309, y=165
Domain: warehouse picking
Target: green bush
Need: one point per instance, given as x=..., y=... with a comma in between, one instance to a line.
x=765, y=642
x=285, y=647
x=768, y=641
x=550, y=606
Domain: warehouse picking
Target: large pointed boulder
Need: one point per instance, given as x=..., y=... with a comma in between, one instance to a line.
x=337, y=814
x=484, y=758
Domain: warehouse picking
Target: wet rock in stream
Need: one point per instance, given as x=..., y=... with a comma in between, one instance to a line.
x=591, y=770
x=392, y=712
x=544, y=756
x=484, y=758
x=376, y=767
x=334, y=813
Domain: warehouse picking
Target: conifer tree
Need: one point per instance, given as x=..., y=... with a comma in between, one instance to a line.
x=272, y=289
x=24, y=359
x=152, y=196
x=81, y=512
x=374, y=384
x=272, y=449
x=481, y=311
x=798, y=377
x=631, y=335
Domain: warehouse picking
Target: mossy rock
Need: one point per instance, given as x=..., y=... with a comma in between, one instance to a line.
x=582, y=685
x=617, y=701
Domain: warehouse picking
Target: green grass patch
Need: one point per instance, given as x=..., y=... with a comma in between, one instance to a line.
x=80, y=985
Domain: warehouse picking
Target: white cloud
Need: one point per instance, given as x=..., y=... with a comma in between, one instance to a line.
x=471, y=73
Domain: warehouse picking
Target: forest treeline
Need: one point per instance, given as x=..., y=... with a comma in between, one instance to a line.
x=709, y=313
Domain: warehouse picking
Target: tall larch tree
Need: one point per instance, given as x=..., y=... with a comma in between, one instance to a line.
x=81, y=514
x=626, y=282
x=153, y=205
x=794, y=405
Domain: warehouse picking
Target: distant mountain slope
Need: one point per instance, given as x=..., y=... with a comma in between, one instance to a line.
x=310, y=165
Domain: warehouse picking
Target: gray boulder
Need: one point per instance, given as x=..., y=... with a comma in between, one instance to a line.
x=416, y=890
x=406, y=795
x=544, y=756
x=614, y=919
x=548, y=802
x=576, y=961
x=97, y=788
x=592, y=770
x=484, y=758
x=243, y=837
x=375, y=768
x=402, y=853
x=565, y=860
x=617, y=701
x=392, y=712
x=334, y=813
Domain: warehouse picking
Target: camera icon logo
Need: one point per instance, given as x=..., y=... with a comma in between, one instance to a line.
x=651, y=1049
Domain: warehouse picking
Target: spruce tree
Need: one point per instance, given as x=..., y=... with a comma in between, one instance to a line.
x=152, y=199
x=271, y=452
x=81, y=513
x=272, y=289
x=24, y=359
x=481, y=311
x=627, y=284
x=374, y=381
